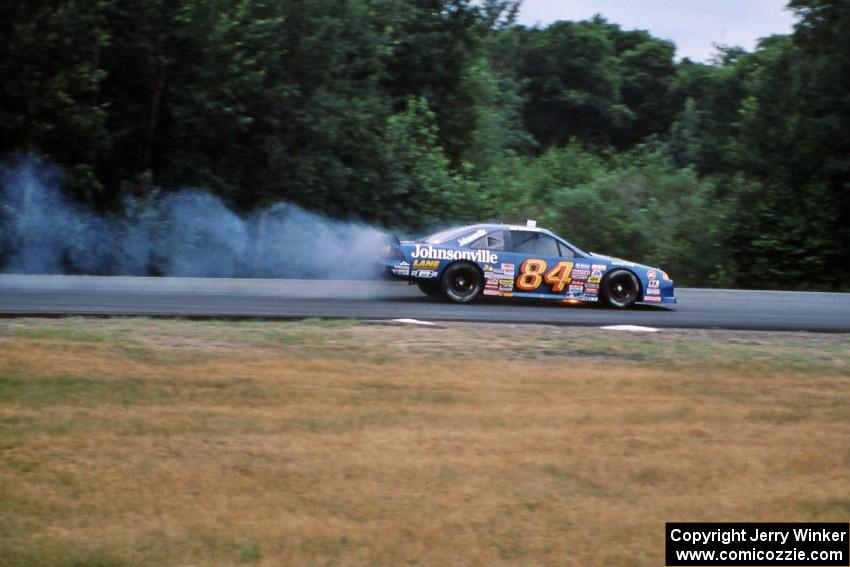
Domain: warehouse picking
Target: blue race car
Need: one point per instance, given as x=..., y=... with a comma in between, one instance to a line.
x=521, y=261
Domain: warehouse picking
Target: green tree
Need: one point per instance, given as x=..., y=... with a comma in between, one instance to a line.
x=572, y=83
x=434, y=43
x=51, y=61
x=423, y=189
x=823, y=36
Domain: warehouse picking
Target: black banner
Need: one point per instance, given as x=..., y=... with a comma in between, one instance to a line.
x=691, y=544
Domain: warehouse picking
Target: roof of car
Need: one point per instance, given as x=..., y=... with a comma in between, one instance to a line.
x=490, y=226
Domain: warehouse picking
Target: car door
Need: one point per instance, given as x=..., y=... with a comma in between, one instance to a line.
x=498, y=276
x=543, y=265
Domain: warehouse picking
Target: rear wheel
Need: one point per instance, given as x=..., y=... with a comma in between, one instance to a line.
x=431, y=288
x=462, y=282
x=620, y=289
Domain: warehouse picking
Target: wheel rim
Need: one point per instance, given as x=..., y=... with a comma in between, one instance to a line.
x=463, y=283
x=623, y=289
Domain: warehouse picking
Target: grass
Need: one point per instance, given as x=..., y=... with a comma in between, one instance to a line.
x=153, y=442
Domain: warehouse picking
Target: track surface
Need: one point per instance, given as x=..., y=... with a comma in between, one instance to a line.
x=203, y=297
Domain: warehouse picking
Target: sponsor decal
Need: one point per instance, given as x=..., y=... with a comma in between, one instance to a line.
x=428, y=252
x=424, y=274
x=593, y=279
x=653, y=291
x=579, y=274
x=501, y=273
x=508, y=267
x=591, y=291
x=651, y=275
x=576, y=288
x=596, y=274
x=579, y=266
x=472, y=237
x=506, y=282
x=600, y=267
x=591, y=298
x=488, y=291
x=653, y=283
x=591, y=286
x=506, y=287
x=618, y=262
x=532, y=273
x=652, y=298
x=426, y=264
x=401, y=269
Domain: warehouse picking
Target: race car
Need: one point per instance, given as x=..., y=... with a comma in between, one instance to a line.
x=500, y=260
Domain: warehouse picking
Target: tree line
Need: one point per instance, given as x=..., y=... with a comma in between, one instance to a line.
x=418, y=113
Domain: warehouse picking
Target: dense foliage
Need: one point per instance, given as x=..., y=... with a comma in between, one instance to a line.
x=414, y=113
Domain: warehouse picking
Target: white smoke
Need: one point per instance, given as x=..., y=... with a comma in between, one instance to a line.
x=185, y=233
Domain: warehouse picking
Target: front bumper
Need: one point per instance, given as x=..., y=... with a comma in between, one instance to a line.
x=660, y=294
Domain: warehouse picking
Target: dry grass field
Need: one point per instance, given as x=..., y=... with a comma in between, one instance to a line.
x=159, y=442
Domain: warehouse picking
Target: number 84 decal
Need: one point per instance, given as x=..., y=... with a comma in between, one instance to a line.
x=533, y=272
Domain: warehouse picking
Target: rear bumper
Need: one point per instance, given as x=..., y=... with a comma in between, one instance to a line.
x=395, y=270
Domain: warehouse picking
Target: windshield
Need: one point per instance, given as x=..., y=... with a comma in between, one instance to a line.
x=446, y=235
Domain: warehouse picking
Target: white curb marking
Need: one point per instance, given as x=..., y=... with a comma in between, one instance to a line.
x=630, y=328
x=414, y=322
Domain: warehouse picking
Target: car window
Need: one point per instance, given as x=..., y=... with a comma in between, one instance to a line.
x=493, y=241
x=566, y=251
x=534, y=243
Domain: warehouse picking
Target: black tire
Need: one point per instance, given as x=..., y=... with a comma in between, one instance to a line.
x=620, y=289
x=431, y=288
x=462, y=282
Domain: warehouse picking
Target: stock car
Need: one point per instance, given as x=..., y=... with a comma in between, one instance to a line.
x=463, y=263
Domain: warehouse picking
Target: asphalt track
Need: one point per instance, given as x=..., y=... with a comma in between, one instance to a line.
x=295, y=299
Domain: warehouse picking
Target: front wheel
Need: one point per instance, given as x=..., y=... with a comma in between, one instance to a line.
x=462, y=282
x=620, y=289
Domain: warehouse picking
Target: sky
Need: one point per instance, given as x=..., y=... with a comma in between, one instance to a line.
x=693, y=25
